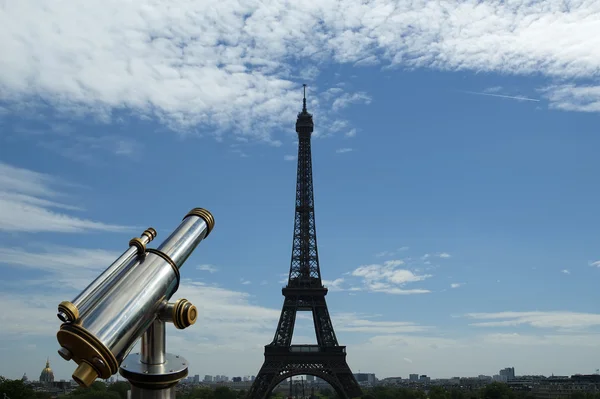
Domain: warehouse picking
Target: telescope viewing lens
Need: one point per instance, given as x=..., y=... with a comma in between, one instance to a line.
x=121, y=308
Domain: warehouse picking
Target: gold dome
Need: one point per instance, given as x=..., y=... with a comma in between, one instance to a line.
x=47, y=374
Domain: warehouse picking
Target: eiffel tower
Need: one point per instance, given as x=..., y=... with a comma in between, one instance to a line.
x=305, y=292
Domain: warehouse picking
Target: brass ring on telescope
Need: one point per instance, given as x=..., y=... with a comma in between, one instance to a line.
x=184, y=314
x=204, y=214
x=167, y=259
x=69, y=309
x=150, y=233
x=139, y=244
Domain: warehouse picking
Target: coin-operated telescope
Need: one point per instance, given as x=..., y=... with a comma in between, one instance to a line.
x=130, y=300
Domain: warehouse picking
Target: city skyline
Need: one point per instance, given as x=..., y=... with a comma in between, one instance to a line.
x=454, y=172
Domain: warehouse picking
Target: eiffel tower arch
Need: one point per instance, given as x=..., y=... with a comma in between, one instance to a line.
x=305, y=292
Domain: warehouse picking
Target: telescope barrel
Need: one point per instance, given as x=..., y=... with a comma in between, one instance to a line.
x=71, y=311
x=103, y=336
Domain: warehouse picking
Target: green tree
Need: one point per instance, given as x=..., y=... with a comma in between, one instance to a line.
x=120, y=387
x=456, y=394
x=15, y=389
x=224, y=393
x=438, y=392
x=497, y=390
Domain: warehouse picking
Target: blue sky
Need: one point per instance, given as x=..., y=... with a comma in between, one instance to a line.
x=454, y=165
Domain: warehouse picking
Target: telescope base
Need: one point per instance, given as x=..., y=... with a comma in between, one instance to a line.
x=154, y=381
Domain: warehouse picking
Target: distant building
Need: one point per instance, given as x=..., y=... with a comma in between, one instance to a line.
x=47, y=375
x=413, y=377
x=365, y=378
x=508, y=374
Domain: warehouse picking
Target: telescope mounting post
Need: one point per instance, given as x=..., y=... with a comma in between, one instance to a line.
x=153, y=373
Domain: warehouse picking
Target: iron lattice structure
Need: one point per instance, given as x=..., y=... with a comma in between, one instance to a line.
x=305, y=292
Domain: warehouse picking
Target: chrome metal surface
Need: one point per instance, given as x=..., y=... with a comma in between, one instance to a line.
x=131, y=302
x=140, y=393
x=166, y=311
x=62, y=317
x=100, y=286
x=129, y=307
x=154, y=343
x=181, y=243
x=65, y=353
x=174, y=365
x=170, y=372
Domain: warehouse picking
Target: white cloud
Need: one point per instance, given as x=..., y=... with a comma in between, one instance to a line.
x=573, y=98
x=596, y=263
x=388, y=278
x=565, y=271
x=351, y=133
x=26, y=205
x=347, y=99
x=235, y=67
x=207, y=268
x=444, y=255
x=556, y=319
x=343, y=150
x=367, y=61
x=456, y=285
x=290, y=157
x=334, y=285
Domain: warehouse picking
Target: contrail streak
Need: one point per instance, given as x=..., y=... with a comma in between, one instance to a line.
x=501, y=96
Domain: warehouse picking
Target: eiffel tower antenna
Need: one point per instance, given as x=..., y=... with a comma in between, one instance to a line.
x=305, y=292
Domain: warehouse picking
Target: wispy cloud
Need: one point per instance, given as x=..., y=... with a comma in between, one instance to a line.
x=67, y=267
x=343, y=150
x=79, y=146
x=347, y=99
x=391, y=253
x=519, y=98
x=456, y=285
x=555, y=319
x=207, y=268
x=351, y=133
x=27, y=204
x=444, y=255
x=565, y=271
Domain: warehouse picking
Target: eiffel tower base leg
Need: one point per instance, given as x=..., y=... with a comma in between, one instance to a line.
x=332, y=368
